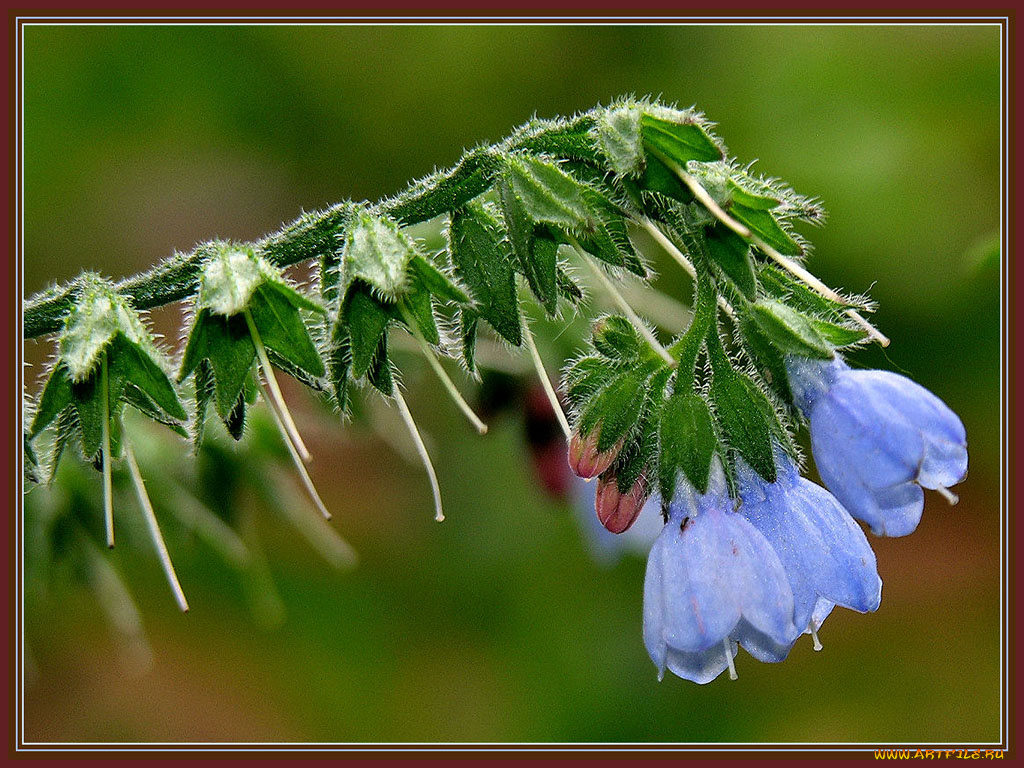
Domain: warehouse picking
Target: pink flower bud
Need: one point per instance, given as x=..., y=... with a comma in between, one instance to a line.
x=584, y=458
x=615, y=510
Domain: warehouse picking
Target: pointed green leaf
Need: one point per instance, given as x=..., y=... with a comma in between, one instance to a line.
x=764, y=224
x=339, y=365
x=56, y=396
x=538, y=265
x=616, y=408
x=380, y=369
x=482, y=260
x=366, y=320
x=548, y=194
x=295, y=297
x=422, y=310
x=789, y=330
x=659, y=178
x=731, y=254
x=746, y=418
x=750, y=199
x=766, y=357
x=680, y=141
x=136, y=365
x=788, y=289
x=839, y=335
x=378, y=253
x=141, y=401
x=584, y=377
x=88, y=402
x=436, y=281
x=282, y=329
x=616, y=338
x=687, y=442
x=230, y=350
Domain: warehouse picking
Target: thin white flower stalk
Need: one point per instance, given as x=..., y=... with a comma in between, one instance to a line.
x=297, y=460
x=421, y=449
x=654, y=231
x=545, y=381
x=435, y=364
x=108, y=500
x=951, y=498
x=154, y=527
x=783, y=261
x=291, y=431
x=624, y=305
x=728, y=658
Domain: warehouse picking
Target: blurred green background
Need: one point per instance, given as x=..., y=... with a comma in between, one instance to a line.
x=497, y=625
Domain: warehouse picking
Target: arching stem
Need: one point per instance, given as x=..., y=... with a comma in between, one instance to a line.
x=108, y=500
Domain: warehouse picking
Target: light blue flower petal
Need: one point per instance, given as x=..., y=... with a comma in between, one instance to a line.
x=701, y=666
x=897, y=510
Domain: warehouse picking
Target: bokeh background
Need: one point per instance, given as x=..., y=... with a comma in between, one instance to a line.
x=498, y=625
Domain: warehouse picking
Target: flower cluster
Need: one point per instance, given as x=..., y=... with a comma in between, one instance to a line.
x=757, y=562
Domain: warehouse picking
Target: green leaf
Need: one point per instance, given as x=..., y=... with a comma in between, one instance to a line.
x=482, y=260
x=659, y=178
x=606, y=236
x=764, y=224
x=746, y=418
x=88, y=402
x=422, y=310
x=616, y=408
x=680, y=141
x=618, y=133
x=134, y=364
x=468, y=323
x=731, y=254
x=537, y=264
x=548, y=194
x=766, y=357
x=436, y=282
x=839, y=335
x=339, y=364
x=687, y=442
x=789, y=330
x=296, y=298
x=788, y=289
x=282, y=329
x=56, y=396
x=366, y=319
x=226, y=343
x=141, y=401
x=585, y=376
x=378, y=253
x=749, y=199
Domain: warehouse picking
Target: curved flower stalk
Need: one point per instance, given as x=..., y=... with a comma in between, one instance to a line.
x=825, y=554
x=713, y=581
x=878, y=438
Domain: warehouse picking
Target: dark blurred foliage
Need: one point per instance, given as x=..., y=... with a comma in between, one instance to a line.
x=496, y=625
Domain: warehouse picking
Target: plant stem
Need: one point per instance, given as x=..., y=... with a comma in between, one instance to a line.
x=108, y=501
x=306, y=481
x=421, y=449
x=154, y=527
x=621, y=302
x=545, y=381
x=291, y=431
x=435, y=364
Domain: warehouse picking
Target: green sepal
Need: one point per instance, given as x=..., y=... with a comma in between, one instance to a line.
x=687, y=442
x=421, y=308
x=616, y=338
x=679, y=141
x=138, y=399
x=379, y=374
x=377, y=252
x=482, y=260
x=659, y=178
x=765, y=225
x=618, y=135
x=129, y=362
x=339, y=365
x=786, y=288
x=616, y=408
x=746, y=417
x=839, y=335
x=547, y=193
x=606, y=236
x=585, y=376
x=568, y=288
x=436, y=282
x=750, y=199
x=366, y=320
x=468, y=325
x=731, y=253
x=227, y=344
x=282, y=329
x=203, y=386
x=55, y=397
x=789, y=330
x=639, y=456
x=537, y=264
x=766, y=357
x=234, y=422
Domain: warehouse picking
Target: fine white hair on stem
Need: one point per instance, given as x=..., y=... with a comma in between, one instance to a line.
x=154, y=527
x=278, y=399
x=421, y=449
x=303, y=474
x=545, y=381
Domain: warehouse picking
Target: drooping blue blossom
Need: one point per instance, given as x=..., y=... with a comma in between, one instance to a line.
x=878, y=438
x=713, y=581
x=826, y=556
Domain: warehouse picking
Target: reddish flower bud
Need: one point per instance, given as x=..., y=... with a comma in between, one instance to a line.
x=584, y=458
x=615, y=510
